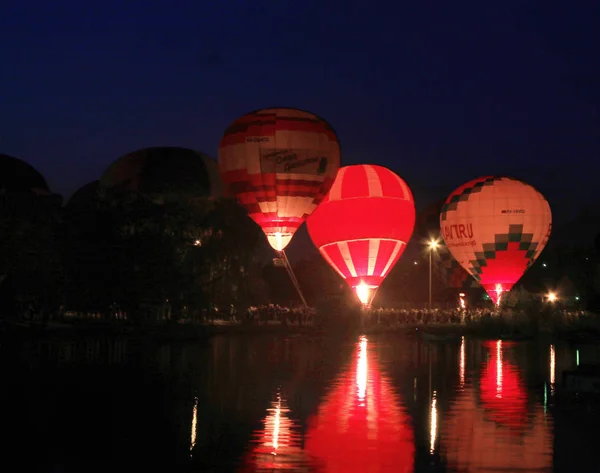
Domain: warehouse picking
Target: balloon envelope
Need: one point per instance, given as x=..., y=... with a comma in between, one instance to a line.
x=361, y=228
x=445, y=267
x=496, y=227
x=279, y=163
x=164, y=173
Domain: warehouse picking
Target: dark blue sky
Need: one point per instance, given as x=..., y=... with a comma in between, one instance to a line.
x=439, y=91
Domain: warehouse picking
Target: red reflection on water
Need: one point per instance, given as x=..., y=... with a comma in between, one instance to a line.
x=501, y=390
x=471, y=443
x=278, y=443
x=498, y=433
x=361, y=426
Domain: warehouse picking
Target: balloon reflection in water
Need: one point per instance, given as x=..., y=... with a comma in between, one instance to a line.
x=502, y=393
x=361, y=426
x=278, y=442
x=497, y=433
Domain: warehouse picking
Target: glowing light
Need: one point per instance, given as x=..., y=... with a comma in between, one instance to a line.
x=498, y=292
x=462, y=362
x=433, y=244
x=499, y=369
x=364, y=292
x=433, y=423
x=362, y=370
x=461, y=301
x=577, y=357
x=198, y=243
x=194, y=425
x=552, y=368
x=278, y=240
x=552, y=297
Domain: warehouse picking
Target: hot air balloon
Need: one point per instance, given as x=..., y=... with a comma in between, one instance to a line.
x=496, y=227
x=361, y=228
x=164, y=173
x=279, y=163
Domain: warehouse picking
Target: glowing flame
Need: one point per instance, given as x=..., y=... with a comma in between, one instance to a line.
x=552, y=297
x=362, y=291
x=365, y=293
x=498, y=291
x=278, y=240
x=461, y=301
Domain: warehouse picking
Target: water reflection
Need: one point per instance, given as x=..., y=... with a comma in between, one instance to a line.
x=361, y=425
x=268, y=403
x=503, y=395
x=433, y=423
x=462, y=362
x=278, y=444
x=496, y=432
x=194, y=425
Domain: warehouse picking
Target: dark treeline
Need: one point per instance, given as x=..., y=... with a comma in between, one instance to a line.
x=110, y=253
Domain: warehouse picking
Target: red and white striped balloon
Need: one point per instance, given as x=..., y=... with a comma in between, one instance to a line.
x=363, y=225
x=279, y=163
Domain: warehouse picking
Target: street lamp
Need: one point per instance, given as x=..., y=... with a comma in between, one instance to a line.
x=433, y=245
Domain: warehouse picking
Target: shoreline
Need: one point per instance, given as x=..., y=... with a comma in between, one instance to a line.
x=198, y=332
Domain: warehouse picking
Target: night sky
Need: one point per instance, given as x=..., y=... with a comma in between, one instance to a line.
x=439, y=91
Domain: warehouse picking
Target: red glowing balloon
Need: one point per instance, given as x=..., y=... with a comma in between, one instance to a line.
x=361, y=228
x=361, y=425
x=496, y=227
x=279, y=163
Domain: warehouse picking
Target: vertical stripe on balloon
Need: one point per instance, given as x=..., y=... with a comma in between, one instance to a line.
x=345, y=251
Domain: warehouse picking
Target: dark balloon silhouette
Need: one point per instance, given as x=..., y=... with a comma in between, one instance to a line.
x=164, y=173
x=18, y=176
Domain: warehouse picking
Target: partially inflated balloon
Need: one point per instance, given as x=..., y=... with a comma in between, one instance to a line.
x=279, y=163
x=496, y=227
x=361, y=228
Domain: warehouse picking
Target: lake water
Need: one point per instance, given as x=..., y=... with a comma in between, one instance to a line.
x=392, y=403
